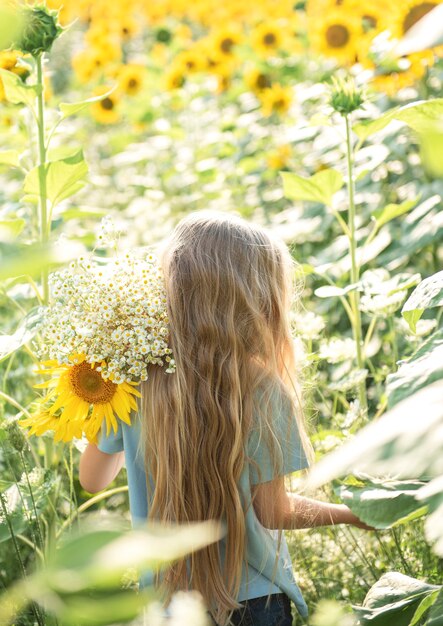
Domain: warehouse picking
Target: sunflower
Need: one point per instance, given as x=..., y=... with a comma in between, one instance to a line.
x=225, y=40
x=175, y=77
x=413, y=67
x=267, y=38
x=335, y=35
x=277, y=99
x=81, y=400
x=105, y=111
x=131, y=78
x=258, y=80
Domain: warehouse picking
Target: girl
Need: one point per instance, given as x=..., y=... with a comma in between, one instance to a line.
x=216, y=438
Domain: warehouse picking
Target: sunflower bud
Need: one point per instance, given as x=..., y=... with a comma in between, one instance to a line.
x=345, y=96
x=16, y=437
x=40, y=31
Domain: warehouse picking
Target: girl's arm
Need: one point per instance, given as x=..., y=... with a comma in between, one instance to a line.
x=277, y=508
x=98, y=469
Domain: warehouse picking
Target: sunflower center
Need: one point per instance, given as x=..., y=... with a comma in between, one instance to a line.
x=107, y=104
x=89, y=385
x=262, y=81
x=269, y=39
x=416, y=13
x=132, y=83
x=337, y=35
x=226, y=45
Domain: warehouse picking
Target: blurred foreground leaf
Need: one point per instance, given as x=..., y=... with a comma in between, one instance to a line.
x=17, y=260
x=81, y=584
x=403, y=443
x=11, y=23
x=424, y=34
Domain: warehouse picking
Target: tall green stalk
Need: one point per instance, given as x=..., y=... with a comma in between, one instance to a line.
x=354, y=296
x=45, y=229
x=43, y=202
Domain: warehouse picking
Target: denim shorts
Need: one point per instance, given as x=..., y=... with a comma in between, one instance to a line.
x=254, y=613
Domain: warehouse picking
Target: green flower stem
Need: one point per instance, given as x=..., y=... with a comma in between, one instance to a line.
x=38, y=617
x=369, y=334
x=13, y=402
x=354, y=296
x=32, y=545
x=44, y=229
x=31, y=494
x=89, y=503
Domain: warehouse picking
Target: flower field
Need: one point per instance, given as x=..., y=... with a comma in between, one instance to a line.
x=320, y=119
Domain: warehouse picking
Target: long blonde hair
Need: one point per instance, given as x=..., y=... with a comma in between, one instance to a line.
x=229, y=288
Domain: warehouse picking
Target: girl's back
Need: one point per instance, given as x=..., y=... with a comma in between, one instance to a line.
x=229, y=418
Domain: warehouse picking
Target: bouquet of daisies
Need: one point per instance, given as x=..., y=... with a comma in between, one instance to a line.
x=106, y=323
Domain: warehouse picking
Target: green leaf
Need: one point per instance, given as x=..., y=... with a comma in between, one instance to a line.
x=431, y=149
x=393, y=600
x=436, y=615
x=11, y=23
x=402, y=443
x=428, y=294
x=390, y=211
x=16, y=91
x=100, y=558
x=18, y=260
x=73, y=108
x=10, y=157
x=115, y=607
x=319, y=188
x=63, y=179
x=27, y=329
x=424, y=606
x=10, y=229
x=421, y=116
x=382, y=503
x=423, y=368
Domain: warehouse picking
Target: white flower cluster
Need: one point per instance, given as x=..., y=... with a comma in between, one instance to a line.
x=112, y=311
x=307, y=324
x=336, y=350
x=186, y=609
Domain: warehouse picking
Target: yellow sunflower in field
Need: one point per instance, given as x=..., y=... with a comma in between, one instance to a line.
x=258, y=80
x=106, y=111
x=267, y=38
x=131, y=77
x=81, y=400
x=225, y=40
x=175, y=77
x=336, y=34
x=405, y=16
x=277, y=100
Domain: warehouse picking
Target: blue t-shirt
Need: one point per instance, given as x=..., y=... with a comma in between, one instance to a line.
x=261, y=543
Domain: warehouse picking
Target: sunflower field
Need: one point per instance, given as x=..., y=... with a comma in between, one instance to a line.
x=320, y=119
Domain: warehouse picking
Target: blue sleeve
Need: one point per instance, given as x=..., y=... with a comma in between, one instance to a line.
x=287, y=434
x=110, y=443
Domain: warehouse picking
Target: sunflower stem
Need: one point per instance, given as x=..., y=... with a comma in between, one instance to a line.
x=43, y=203
x=354, y=295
